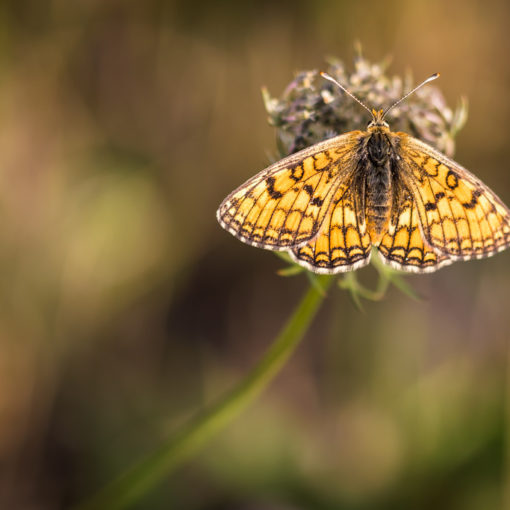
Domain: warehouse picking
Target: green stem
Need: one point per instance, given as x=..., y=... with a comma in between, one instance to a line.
x=132, y=485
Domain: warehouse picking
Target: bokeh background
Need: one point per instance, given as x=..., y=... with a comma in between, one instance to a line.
x=124, y=307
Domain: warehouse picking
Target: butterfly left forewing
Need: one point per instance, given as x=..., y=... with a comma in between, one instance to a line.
x=460, y=216
x=285, y=205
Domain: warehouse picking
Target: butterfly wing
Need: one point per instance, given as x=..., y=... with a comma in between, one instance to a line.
x=404, y=246
x=285, y=205
x=343, y=243
x=460, y=216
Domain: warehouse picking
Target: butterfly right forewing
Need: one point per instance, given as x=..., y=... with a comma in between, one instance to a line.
x=284, y=206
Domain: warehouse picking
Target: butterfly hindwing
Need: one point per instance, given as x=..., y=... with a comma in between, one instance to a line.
x=460, y=216
x=285, y=205
x=404, y=245
x=343, y=243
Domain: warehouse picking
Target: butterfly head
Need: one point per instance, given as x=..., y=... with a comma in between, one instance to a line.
x=378, y=119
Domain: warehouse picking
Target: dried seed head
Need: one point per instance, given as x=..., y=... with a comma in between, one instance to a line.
x=312, y=109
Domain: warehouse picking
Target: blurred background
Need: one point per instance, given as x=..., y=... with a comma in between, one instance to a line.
x=124, y=307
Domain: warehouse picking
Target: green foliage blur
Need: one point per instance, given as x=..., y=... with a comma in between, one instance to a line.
x=124, y=307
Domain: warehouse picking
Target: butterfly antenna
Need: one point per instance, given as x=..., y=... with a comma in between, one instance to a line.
x=430, y=78
x=330, y=78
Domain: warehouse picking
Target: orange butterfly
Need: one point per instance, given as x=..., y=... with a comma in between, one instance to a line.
x=329, y=204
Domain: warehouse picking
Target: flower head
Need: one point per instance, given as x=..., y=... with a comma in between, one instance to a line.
x=312, y=109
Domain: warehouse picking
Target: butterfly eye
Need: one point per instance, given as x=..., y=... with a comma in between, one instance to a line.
x=373, y=123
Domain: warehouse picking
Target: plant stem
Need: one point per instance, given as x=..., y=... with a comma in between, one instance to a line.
x=132, y=485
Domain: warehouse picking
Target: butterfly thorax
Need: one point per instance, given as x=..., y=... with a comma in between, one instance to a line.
x=378, y=191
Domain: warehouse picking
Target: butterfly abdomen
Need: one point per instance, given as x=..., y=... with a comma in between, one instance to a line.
x=378, y=201
x=378, y=186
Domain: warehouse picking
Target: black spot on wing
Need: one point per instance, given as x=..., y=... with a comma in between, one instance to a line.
x=297, y=173
x=270, y=188
x=452, y=181
x=474, y=199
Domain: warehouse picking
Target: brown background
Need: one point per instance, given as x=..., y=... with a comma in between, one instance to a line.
x=124, y=307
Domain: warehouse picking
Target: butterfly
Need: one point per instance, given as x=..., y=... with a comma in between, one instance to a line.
x=330, y=204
